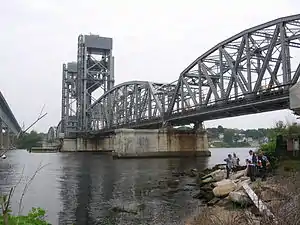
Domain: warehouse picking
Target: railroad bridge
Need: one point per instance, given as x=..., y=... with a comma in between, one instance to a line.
x=254, y=71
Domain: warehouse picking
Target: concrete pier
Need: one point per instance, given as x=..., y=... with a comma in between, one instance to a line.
x=7, y=139
x=1, y=135
x=128, y=143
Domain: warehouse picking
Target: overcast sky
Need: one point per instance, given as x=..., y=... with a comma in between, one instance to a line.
x=153, y=40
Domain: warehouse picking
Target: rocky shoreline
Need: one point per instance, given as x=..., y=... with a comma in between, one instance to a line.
x=220, y=197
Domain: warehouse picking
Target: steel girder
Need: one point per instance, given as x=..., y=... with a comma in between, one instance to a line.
x=7, y=118
x=250, y=72
x=94, y=71
x=69, y=98
x=131, y=103
x=256, y=62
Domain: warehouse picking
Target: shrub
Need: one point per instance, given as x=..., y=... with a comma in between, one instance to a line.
x=35, y=217
x=269, y=147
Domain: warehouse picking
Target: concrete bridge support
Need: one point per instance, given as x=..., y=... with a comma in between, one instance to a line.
x=1, y=134
x=145, y=143
x=7, y=139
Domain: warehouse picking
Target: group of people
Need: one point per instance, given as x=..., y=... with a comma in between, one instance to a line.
x=232, y=163
x=257, y=164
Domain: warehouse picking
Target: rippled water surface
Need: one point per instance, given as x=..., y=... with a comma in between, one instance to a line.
x=82, y=188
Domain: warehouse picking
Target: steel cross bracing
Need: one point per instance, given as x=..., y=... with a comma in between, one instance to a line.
x=7, y=118
x=248, y=73
x=68, y=113
x=131, y=103
x=94, y=70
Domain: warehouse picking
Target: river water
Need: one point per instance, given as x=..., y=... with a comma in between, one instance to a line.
x=81, y=188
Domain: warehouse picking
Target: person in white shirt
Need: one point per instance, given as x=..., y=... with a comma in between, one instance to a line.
x=236, y=161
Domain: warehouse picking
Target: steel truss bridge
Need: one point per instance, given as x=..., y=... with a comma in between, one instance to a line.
x=8, y=121
x=250, y=72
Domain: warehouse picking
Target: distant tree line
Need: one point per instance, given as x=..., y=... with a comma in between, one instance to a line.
x=231, y=136
x=29, y=140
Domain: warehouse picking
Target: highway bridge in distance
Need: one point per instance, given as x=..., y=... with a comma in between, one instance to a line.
x=9, y=126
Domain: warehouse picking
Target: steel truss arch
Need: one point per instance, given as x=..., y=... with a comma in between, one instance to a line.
x=130, y=103
x=261, y=59
x=52, y=134
x=247, y=73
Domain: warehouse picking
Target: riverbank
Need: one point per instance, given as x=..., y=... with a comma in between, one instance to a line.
x=280, y=194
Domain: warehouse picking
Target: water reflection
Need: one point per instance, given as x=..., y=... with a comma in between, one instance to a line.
x=82, y=188
x=92, y=184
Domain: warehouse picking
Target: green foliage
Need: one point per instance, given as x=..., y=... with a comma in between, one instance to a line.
x=293, y=129
x=268, y=147
x=231, y=135
x=280, y=128
x=220, y=129
x=29, y=140
x=228, y=136
x=35, y=217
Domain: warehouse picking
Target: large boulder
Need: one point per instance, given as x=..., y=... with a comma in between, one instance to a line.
x=224, y=188
x=237, y=175
x=222, y=182
x=214, y=176
x=239, y=197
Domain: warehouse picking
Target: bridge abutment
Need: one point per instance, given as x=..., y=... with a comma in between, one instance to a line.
x=7, y=139
x=1, y=135
x=128, y=143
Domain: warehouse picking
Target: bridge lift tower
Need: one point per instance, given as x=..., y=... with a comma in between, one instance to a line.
x=93, y=70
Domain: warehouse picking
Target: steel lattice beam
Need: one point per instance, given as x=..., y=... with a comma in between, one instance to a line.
x=133, y=102
x=94, y=71
x=256, y=60
x=248, y=73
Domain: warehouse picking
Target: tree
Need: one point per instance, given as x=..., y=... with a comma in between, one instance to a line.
x=29, y=140
x=228, y=136
x=220, y=129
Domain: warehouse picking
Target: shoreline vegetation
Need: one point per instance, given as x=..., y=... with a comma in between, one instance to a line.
x=36, y=216
x=225, y=145
x=225, y=201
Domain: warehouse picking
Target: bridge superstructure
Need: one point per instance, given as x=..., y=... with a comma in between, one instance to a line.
x=92, y=71
x=250, y=72
x=9, y=126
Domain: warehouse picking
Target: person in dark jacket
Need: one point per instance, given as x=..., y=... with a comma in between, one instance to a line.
x=262, y=164
x=229, y=165
x=251, y=162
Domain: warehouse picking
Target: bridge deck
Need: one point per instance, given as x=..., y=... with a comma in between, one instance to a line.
x=265, y=102
x=7, y=117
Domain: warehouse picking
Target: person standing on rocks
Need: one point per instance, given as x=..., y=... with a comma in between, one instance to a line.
x=229, y=165
x=263, y=163
x=251, y=165
x=236, y=162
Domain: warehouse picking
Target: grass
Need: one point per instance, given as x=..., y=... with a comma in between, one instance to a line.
x=290, y=165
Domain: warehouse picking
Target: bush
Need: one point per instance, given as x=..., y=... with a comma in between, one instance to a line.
x=269, y=147
x=35, y=217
